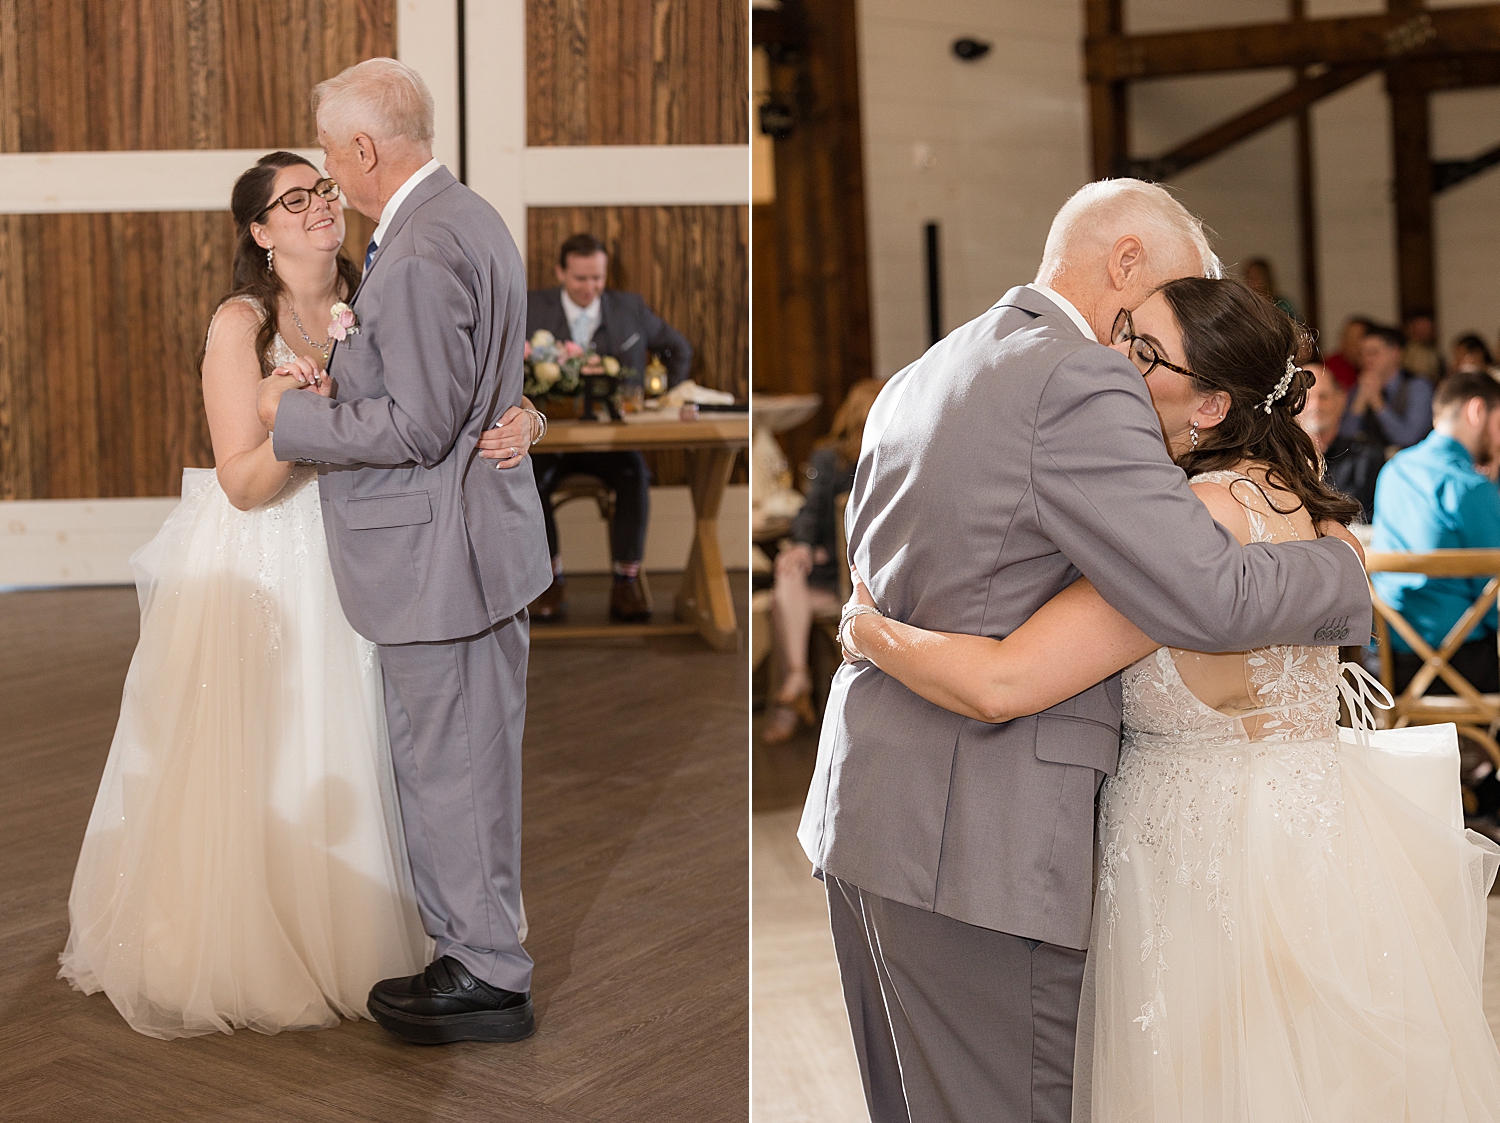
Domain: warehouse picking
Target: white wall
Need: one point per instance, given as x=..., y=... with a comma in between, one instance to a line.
x=1009, y=137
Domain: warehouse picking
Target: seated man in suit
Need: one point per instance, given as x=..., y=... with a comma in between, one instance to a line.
x=616, y=323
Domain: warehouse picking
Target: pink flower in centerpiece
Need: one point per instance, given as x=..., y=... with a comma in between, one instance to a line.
x=572, y=350
x=526, y=351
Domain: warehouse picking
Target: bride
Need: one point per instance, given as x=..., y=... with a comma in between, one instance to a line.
x=1277, y=935
x=244, y=865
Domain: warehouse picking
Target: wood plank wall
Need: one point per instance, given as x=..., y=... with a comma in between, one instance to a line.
x=96, y=75
x=646, y=72
x=102, y=315
x=637, y=72
x=812, y=285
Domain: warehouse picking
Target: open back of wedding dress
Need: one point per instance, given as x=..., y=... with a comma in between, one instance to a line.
x=244, y=864
x=1278, y=937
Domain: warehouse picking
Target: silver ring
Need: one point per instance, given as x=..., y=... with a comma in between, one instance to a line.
x=510, y=454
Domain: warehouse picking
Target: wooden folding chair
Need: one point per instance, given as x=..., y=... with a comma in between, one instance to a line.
x=1476, y=715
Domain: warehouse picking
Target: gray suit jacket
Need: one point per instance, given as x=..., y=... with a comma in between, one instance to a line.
x=428, y=541
x=627, y=329
x=1012, y=455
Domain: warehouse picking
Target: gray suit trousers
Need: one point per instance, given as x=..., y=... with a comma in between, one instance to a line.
x=954, y=1023
x=456, y=711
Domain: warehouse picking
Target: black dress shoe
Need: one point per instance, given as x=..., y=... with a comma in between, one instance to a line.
x=446, y=1003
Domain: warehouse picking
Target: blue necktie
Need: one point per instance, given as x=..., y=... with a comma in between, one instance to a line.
x=370, y=254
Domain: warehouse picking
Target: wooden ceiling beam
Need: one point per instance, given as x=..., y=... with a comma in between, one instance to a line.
x=1456, y=72
x=1377, y=39
x=1247, y=124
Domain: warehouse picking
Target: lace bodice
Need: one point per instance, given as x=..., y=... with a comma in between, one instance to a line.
x=1280, y=693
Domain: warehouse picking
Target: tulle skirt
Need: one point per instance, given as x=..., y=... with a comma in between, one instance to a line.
x=244, y=865
x=1281, y=938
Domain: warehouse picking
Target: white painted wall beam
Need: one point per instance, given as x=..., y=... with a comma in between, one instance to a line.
x=89, y=541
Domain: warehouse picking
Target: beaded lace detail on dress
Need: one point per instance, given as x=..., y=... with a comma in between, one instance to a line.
x=1182, y=762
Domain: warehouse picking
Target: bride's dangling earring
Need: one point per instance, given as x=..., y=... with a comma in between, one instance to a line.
x=270, y=259
x=1195, y=434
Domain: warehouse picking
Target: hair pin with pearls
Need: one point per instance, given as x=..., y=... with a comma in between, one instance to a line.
x=1281, y=387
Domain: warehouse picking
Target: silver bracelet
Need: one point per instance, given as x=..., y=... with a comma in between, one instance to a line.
x=541, y=421
x=846, y=638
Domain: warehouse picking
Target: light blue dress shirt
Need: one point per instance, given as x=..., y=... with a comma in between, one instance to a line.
x=1430, y=497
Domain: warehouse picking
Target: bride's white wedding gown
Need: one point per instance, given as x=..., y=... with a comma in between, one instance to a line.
x=244, y=865
x=1278, y=936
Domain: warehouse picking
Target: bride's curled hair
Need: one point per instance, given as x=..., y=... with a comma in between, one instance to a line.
x=1239, y=343
x=251, y=276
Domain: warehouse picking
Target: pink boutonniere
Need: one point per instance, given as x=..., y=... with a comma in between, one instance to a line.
x=344, y=322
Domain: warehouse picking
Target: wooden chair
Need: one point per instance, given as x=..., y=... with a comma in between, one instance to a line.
x=580, y=486
x=1476, y=715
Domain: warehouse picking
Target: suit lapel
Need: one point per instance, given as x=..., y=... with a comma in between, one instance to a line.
x=430, y=188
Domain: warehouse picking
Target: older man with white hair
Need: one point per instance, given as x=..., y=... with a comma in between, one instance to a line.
x=435, y=555
x=958, y=855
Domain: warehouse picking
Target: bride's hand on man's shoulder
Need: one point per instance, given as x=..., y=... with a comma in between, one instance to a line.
x=1328, y=528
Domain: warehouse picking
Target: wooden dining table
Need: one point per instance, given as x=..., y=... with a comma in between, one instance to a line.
x=703, y=604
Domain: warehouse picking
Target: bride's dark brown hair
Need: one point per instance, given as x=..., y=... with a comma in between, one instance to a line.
x=251, y=277
x=1238, y=342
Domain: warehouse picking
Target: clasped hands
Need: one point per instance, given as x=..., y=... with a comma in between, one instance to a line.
x=506, y=444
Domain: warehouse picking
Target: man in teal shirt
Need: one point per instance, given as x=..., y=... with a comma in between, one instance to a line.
x=1436, y=496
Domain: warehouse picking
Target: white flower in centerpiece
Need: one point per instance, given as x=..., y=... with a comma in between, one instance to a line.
x=546, y=374
x=543, y=338
x=611, y=365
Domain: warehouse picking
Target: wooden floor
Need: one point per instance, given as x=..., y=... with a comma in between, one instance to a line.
x=804, y=1065
x=634, y=875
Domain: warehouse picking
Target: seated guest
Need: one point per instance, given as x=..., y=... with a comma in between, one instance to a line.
x=1470, y=355
x=616, y=323
x=1422, y=357
x=1437, y=496
x=1350, y=466
x=1344, y=366
x=1390, y=405
x=807, y=571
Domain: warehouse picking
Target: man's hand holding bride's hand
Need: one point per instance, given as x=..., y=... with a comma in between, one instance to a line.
x=299, y=374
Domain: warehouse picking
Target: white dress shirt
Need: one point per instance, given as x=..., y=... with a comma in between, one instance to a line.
x=388, y=212
x=1067, y=306
x=582, y=322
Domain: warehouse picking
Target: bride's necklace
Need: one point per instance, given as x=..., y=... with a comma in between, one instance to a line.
x=323, y=348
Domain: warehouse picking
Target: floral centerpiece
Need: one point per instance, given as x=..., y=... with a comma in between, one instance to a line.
x=554, y=368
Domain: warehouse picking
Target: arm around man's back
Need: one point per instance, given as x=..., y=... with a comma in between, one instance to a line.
x=1116, y=506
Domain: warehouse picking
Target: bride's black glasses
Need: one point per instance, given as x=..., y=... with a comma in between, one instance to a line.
x=1142, y=351
x=298, y=199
